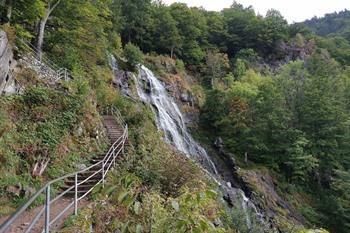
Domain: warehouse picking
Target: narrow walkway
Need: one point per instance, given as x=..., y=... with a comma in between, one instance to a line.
x=114, y=132
x=21, y=223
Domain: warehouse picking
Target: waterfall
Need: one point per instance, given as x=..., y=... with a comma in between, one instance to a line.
x=169, y=118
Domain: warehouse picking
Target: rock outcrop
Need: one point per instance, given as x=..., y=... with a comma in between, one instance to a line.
x=7, y=66
x=259, y=186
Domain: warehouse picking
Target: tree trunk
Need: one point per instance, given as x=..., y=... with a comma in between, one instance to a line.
x=40, y=37
x=9, y=10
x=41, y=28
x=246, y=157
x=171, y=52
x=40, y=167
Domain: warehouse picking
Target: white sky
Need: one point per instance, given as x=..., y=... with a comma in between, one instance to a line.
x=292, y=10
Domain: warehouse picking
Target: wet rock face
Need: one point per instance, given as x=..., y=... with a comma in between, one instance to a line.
x=7, y=66
x=220, y=147
x=261, y=188
x=121, y=81
x=258, y=185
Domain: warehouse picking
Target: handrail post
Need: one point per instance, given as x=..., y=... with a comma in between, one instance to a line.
x=76, y=194
x=103, y=173
x=114, y=157
x=47, y=210
x=123, y=145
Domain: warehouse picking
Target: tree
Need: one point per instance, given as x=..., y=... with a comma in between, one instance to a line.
x=191, y=25
x=77, y=37
x=9, y=6
x=341, y=186
x=136, y=20
x=218, y=65
x=133, y=54
x=50, y=7
x=299, y=163
x=166, y=31
x=243, y=28
x=274, y=31
x=23, y=14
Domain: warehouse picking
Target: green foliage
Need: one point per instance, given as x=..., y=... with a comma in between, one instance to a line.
x=299, y=163
x=155, y=189
x=334, y=23
x=295, y=122
x=42, y=124
x=133, y=54
x=217, y=66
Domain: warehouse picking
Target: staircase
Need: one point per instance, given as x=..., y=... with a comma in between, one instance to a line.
x=92, y=177
x=76, y=186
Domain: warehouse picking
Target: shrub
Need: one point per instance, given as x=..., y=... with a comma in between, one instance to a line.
x=133, y=54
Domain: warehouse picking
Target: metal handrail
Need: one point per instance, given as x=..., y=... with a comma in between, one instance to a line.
x=117, y=148
x=59, y=73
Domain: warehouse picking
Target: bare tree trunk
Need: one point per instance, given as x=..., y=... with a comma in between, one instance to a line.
x=9, y=10
x=40, y=167
x=40, y=37
x=246, y=157
x=41, y=28
x=172, y=52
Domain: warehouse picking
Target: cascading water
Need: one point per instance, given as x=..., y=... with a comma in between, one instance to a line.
x=169, y=118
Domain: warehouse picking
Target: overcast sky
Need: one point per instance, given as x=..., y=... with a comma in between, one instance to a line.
x=292, y=10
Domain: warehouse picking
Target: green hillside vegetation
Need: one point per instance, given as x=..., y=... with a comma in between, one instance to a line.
x=275, y=93
x=335, y=31
x=44, y=125
x=331, y=24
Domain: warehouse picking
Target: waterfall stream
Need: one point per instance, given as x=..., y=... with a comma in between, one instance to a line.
x=169, y=118
x=171, y=121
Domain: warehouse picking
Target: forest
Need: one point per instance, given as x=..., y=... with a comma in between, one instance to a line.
x=278, y=94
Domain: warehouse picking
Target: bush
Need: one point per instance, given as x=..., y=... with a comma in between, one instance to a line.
x=133, y=54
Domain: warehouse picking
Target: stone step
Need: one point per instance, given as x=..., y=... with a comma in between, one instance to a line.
x=71, y=182
x=114, y=132
x=82, y=187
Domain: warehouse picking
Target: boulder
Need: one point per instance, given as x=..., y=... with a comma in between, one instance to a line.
x=27, y=192
x=14, y=189
x=80, y=166
x=7, y=66
x=185, y=97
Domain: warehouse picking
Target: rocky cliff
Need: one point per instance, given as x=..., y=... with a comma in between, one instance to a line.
x=7, y=66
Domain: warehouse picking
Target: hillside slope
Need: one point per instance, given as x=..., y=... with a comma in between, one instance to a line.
x=331, y=24
x=269, y=101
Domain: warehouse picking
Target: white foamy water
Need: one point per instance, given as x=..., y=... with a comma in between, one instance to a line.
x=169, y=117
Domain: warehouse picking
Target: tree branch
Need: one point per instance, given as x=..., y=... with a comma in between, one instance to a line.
x=53, y=7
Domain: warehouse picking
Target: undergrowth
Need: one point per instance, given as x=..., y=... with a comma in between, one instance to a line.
x=54, y=123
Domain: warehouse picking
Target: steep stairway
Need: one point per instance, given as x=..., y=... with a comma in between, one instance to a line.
x=114, y=132
x=66, y=201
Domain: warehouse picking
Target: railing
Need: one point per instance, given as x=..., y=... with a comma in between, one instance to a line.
x=115, y=112
x=100, y=168
x=44, y=66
